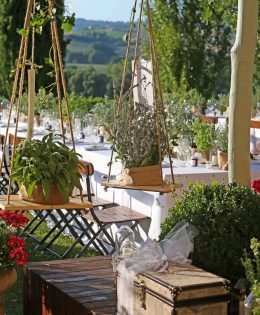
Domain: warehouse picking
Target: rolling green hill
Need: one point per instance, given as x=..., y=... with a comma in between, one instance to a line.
x=96, y=42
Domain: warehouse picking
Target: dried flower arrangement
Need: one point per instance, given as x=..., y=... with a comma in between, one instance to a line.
x=12, y=252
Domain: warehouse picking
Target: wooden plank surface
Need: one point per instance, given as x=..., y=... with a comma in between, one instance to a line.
x=116, y=214
x=161, y=189
x=70, y=287
x=17, y=204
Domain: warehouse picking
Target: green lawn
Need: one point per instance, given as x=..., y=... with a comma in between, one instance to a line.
x=14, y=297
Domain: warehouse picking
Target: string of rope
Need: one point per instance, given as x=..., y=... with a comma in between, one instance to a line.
x=160, y=92
x=63, y=81
x=57, y=77
x=119, y=104
x=129, y=40
x=137, y=42
x=33, y=40
x=134, y=74
x=59, y=66
x=20, y=94
x=155, y=104
x=17, y=72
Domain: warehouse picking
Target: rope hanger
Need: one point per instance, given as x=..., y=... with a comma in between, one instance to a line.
x=158, y=107
x=18, y=82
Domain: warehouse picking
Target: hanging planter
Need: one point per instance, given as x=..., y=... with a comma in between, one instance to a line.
x=135, y=142
x=46, y=168
x=140, y=135
x=142, y=176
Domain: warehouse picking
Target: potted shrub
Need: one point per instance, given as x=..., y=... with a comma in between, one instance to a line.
x=47, y=169
x=222, y=146
x=134, y=139
x=203, y=137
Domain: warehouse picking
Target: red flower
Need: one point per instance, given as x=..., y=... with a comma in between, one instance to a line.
x=19, y=255
x=15, y=242
x=256, y=185
x=13, y=218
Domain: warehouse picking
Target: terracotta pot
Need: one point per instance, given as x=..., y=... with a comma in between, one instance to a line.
x=223, y=160
x=209, y=119
x=7, y=280
x=205, y=155
x=55, y=196
x=142, y=176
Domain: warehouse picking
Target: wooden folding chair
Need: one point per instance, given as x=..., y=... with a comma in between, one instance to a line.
x=91, y=226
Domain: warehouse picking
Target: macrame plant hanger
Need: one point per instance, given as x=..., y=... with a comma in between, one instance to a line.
x=18, y=83
x=158, y=103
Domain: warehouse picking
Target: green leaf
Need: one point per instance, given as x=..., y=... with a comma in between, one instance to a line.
x=52, y=167
x=67, y=27
x=30, y=188
x=63, y=186
x=46, y=189
x=23, y=32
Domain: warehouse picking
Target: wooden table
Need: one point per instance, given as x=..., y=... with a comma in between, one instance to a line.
x=70, y=287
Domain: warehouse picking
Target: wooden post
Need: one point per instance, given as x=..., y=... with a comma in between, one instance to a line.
x=242, y=61
x=31, y=95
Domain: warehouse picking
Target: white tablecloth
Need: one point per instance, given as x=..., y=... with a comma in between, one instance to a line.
x=151, y=204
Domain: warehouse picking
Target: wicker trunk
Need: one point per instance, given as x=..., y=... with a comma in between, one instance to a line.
x=181, y=290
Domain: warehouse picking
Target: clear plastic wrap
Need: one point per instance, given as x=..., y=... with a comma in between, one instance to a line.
x=154, y=256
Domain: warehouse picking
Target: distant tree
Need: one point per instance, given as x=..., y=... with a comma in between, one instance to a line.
x=193, y=41
x=86, y=82
x=76, y=57
x=12, y=14
x=114, y=71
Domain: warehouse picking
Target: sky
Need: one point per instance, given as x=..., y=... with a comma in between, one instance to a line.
x=110, y=10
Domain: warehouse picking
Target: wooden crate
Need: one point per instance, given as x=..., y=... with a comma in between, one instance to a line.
x=181, y=290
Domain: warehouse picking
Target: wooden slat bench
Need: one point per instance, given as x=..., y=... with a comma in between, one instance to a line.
x=70, y=287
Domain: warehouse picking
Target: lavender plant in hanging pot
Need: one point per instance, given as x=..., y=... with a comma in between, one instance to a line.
x=135, y=141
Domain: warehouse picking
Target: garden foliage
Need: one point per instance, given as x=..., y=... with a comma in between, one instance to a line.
x=227, y=217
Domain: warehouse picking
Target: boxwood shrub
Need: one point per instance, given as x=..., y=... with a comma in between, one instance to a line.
x=227, y=217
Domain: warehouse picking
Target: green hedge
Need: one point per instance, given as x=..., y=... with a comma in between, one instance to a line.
x=227, y=217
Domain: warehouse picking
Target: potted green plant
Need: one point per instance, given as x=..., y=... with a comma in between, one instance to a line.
x=251, y=264
x=47, y=169
x=104, y=113
x=134, y=139
x=222, y=146
x=180, y=119
x=204, y=135
x=223, y=102
x=195, y=101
